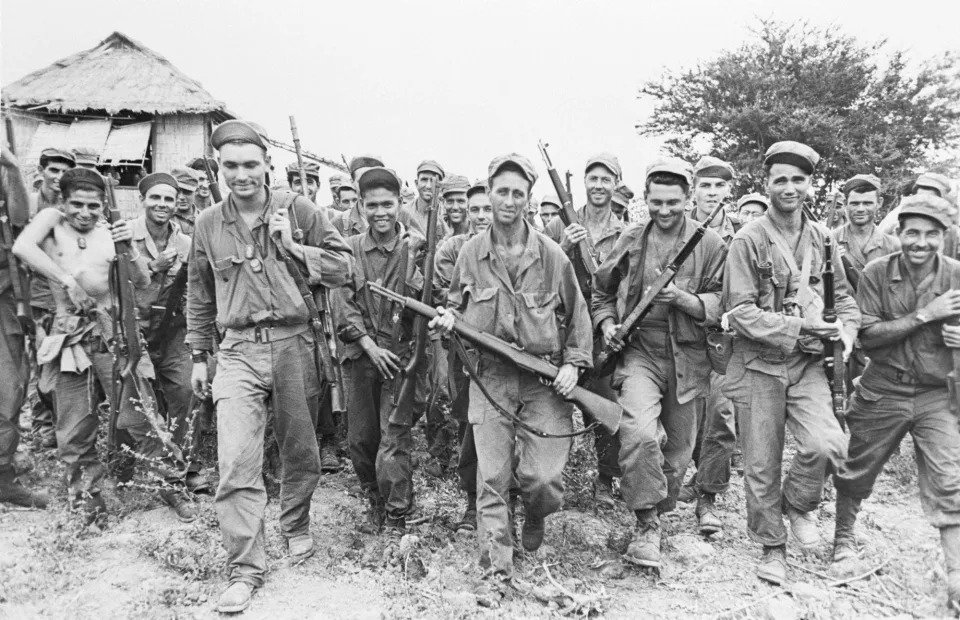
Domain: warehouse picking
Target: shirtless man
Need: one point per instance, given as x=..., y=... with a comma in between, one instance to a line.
x=74, y=250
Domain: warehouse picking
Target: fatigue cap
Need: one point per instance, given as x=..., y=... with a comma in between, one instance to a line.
x=236, y=131
x=54, y=153
x=311, y=169
x=74, y=176
x=197, y=164
x=336, y=181
x=157, y=178
x=608, y=161
x=84, y=156
x=479, y=186
x=378, y=176
x=187, y=178
x=429, y=165
x=793, y=153
x=757, y=198
x=551, y=199
x=345, y=186
x=622, y=195
x=931, y=207
x=935, y=181
x=860, y=180
x=525, y=165
x=671, y=165
x=713, y=167
x=360, y=162
x=453, y=184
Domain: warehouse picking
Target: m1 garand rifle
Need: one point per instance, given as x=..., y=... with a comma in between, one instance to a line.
x=833, y=363
x=568, y=215
x=404, y=382
x=606, y=360
x=607, y=412
x=321, y=321
x=19, y=277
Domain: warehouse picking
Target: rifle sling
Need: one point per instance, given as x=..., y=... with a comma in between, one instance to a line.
x=513, y=417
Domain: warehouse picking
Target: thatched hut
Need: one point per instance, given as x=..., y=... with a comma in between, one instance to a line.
x=120, y=99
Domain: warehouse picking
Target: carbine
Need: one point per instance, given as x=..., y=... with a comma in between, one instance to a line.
x=606, y=360
x=567, y=213
x=607, y=412
x=321, y=320
x=833, y=349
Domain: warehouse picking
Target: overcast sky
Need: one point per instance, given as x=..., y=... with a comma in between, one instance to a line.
x=460, y=82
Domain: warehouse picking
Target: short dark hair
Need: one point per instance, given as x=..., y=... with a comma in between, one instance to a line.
x=296, y=175
x=511, y=167
x=84, y=186
x=343, y=188
x=46, y=159
x=376, y=184
x=862, y=187
x=666, y=178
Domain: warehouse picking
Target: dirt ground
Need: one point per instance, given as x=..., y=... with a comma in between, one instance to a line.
x=145, y=564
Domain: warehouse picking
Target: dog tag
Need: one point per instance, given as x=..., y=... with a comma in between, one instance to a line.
x=256, y=265
x=82, y=243
x=248, y=252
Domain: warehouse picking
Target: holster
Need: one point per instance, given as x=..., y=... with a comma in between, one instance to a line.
x=719, y=350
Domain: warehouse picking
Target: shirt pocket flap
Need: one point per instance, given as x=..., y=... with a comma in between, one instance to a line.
x=481, y=294
x=225, y=267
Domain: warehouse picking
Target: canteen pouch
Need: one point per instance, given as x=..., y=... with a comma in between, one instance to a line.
x=719, y=350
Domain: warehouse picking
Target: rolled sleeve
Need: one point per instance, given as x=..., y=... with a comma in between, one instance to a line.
x=326, y=254
x=606, y=283
x=578, y=348
x=201, y=296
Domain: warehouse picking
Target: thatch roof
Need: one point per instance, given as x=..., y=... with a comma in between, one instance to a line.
x=117, y=75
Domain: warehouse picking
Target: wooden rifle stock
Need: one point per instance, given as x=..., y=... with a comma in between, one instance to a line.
x=606, y=360
x=607, y=412
x=567, y=213
x=319, y=313
x=212, y=182
x=833, y=349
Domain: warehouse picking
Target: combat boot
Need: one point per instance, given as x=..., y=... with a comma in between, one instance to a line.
x=644, y=549
x=773, y=565
x=90, y=507
x=803, y=526
x=329, y=463
x=707, y=517
x=950, y=540
x=844, y=536
x=532, y=533
x=376, y=512
x=468, y=523
x=182, y=507
x=12, y=492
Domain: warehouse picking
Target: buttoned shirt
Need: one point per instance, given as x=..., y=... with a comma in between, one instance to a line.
x=620, y=282
x=602, y=246
x=237, y=280
x=876, y=245
x=186, y=221
x=152, y=299
x=445, y=261
x=414, y=219
x=727, y=228
x=358, y=311
x=759, y=278
x=542, y=311
x=887, y=293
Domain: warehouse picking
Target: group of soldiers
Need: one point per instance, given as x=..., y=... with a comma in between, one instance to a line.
x=727, y=356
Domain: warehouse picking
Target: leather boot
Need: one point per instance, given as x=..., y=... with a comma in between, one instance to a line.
x=950, y=539
x=644, y=549
x=12, y=492
x=469, y=521
x=708, y=520
x=844, y=537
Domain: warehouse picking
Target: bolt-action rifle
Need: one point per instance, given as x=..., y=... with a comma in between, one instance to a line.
x=607, y=412
x=606, y=360
x=19, y=277
x=833, y=349
x=321, y=321
x=567, y=213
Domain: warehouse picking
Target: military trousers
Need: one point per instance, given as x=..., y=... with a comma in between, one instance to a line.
x=879, y=417
x=719, y=440
x=380, y=449
x=78, y=418
x=459, y=382
x=771, y=396
x=172, y=365
x=249, y=374
x=509, y=455
x=657, y=432
x=606, y=444
x=14, y=371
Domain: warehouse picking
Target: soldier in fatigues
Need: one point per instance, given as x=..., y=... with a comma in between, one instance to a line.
x=664, y=371
x=716, y=422
x=14, y=366
x=377, y=341
x=186, y=214
x=158, y=238
x=74, y=250
x=772, y=295
x=597, y=223
x=350, y=219
x=238, y=282
x=203, y=197
x=479, y=213
x=908, y=300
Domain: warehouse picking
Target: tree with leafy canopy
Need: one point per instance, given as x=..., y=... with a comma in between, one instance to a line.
x=864, y=110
